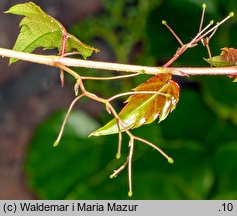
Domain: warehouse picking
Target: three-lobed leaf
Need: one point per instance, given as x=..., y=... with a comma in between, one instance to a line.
x=145, y=108
x=38, y=29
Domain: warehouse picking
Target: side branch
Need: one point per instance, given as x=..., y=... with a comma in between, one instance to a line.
x=57, y=61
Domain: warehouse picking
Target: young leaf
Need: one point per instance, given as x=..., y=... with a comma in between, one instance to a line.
x=38, y=29
x=145, y=108
x=228, y=57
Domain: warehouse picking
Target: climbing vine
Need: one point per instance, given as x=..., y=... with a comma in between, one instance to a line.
x=153, y=99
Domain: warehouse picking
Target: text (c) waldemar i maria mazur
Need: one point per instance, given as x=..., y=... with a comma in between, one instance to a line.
x=105, y=207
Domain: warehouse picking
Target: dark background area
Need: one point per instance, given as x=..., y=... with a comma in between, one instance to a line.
x=200, y=134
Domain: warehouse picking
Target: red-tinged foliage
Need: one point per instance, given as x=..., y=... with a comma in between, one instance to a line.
x=156, y=105
x=146, y=108
x=227, y=58
x=229, y=55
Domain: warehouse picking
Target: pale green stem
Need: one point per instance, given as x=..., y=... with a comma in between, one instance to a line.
x=170, y=160
x=131, y=146
x=58, y=61
x=65, y=120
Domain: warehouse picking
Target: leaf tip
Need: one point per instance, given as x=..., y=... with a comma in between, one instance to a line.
x=98, y=132
x=207, y=60
x=93, y=134
x=11, y=61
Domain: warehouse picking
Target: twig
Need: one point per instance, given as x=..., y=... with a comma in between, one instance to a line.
x=173, y=33
x=58, y=61
x=63, y=63
x=170, y=160
x=199, y=37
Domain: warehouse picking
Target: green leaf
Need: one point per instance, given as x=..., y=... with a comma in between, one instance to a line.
x=225, y=161
x=38, y=29
x=145, y=108
x=200, y=171
x=79, y=168
x=190, y=117
x=223, y=104
x=53, y=176
x=228, y=57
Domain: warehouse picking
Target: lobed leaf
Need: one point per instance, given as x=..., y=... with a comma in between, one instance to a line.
x=228, y=57
x=146, y=108
x=38, y=29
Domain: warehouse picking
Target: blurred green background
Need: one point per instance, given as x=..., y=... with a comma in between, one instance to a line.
x=200, y=135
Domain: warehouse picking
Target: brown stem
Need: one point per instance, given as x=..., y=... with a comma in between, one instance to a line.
x=172, y=32
x=176, y=55
x=202, y=17
x=199, y=37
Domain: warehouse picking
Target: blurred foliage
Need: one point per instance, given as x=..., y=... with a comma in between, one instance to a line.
x=200, y=134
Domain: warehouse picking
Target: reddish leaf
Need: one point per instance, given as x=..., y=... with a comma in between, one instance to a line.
x=145, y=108
x=228, y=57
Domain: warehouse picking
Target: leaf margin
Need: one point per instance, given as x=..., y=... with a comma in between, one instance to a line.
x=30, y=10
x=112, y=127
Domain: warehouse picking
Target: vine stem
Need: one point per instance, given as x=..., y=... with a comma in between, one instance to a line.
x=120, y=123
x=57, y=61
